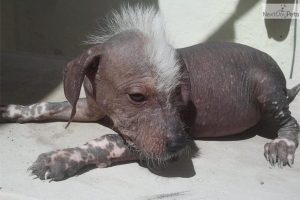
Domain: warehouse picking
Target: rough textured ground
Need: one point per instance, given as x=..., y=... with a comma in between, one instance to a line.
x=234, y=169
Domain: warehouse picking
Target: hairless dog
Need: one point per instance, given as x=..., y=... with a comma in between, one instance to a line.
x=159, y=98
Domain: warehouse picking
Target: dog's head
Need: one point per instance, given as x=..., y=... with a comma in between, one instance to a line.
x=135, y=77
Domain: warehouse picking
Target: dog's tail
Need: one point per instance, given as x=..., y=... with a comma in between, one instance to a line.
x=292, y=93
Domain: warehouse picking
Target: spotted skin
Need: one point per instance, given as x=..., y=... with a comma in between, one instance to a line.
x=102, y=152
x=47, y=111
x=21, y=114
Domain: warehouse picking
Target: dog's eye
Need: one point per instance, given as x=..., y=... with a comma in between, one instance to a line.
x=137, y=97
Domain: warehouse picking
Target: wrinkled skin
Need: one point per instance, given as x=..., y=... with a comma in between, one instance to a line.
x=225, y=89
x=132, y=119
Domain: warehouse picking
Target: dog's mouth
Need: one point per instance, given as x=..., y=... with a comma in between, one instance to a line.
x=160, y=161
x=162, y=157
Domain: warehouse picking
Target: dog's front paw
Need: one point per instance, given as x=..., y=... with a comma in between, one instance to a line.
x=13, y=113
x=280, y=151
x=57, y=165
x=4, y=114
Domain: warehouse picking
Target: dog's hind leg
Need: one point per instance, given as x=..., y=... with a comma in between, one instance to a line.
x=274, y=100
x=45, y=111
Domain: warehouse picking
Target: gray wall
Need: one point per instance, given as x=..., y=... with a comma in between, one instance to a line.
x=52, y=27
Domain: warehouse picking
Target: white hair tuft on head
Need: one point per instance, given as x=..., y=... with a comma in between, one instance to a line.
x=149, y=22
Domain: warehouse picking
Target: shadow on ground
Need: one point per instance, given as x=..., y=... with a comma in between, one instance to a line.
x=26, y=79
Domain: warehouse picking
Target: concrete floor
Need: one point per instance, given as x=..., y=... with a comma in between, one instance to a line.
x=234, y=169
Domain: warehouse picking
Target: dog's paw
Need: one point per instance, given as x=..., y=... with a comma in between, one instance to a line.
x=4, y=114
x=12, y=113
x=280, y=151
x=57, y=165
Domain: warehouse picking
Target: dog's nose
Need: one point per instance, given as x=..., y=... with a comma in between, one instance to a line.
x=175, y=145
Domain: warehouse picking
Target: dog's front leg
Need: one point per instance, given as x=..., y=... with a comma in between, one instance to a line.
x=60, y=164
x=47, y=111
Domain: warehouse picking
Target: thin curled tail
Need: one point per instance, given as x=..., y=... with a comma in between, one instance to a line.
x=292, y=93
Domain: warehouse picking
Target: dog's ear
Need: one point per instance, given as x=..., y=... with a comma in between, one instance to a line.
x=74, y=74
